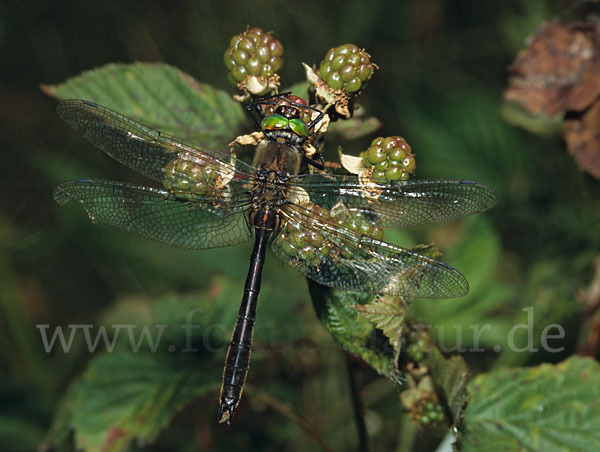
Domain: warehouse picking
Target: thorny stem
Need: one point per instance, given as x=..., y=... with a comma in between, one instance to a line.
x=357, y=404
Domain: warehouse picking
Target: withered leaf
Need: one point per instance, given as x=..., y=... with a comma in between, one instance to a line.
x=558, y=71
x=583, y=140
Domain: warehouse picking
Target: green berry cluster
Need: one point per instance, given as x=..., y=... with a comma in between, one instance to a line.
x=422, y=402
x=359, y=223
x=253, y=53
x=430, y=412
x=417, y=345
x=305, y=244
x=389, y=159
x=313, y=245
x=416, y=351
x=192, y=177
x=346, y=68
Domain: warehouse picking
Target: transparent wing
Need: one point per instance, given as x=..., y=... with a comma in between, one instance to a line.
x=150, y=152
x=156, y=214
x=336, y=257
x=402, y=203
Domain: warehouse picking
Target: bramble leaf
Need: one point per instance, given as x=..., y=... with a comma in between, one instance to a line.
x=355, y=333
x=125, y=396
x=159, y=96
x=548, y=407
x=387, y=313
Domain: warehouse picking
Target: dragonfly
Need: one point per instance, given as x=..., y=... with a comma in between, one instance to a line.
x=208, y=198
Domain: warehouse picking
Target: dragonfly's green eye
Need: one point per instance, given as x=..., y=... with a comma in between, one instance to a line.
x=274, y=122
x=298, y=127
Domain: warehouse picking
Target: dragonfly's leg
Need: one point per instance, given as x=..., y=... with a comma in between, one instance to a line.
x=255, y=113
x=315, y=121
x=320, y=165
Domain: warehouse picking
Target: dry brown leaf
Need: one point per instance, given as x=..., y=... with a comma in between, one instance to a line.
x=583, y=140
x=557, y=71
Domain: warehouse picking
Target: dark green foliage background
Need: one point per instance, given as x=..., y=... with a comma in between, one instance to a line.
x=442, y=72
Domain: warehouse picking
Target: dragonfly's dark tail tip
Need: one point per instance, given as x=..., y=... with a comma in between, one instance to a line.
x=226, y=413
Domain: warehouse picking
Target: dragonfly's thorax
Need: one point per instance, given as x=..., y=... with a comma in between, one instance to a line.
x=268, y=196
x=276, y=161
x=277, y=155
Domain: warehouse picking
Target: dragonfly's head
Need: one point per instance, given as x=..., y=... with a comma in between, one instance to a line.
x=285, y=116
x=273, y=125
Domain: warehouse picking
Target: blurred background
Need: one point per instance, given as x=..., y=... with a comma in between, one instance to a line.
x=443, y=69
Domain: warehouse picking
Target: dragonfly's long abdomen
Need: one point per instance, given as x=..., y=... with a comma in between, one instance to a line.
x=238, y=354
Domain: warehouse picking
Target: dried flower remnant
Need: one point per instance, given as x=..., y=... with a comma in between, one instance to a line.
x=559, y=73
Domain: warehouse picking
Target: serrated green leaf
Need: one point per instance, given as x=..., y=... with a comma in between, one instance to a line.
x=387, y=313
x=355, y=333
x=127, y=396
x=450, y=377
x=160, y=96
x=548, y=407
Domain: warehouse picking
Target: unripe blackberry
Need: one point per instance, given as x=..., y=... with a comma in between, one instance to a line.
x=359, y=223
x=346, y=68
x=253, y=59
x=341, y=76
x=430, y=411
x=416, y=351
x=422, y=402
x=389, y=159
x=314, y=246
x=305, y=245
x=417, y=346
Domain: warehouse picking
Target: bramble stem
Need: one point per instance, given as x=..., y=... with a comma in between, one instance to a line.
x=357, y=404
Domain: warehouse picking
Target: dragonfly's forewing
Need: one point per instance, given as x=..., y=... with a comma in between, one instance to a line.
x=157, y=214
x=161, y=157
x=208, y=192
x=335, y=256
x=401, y=204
